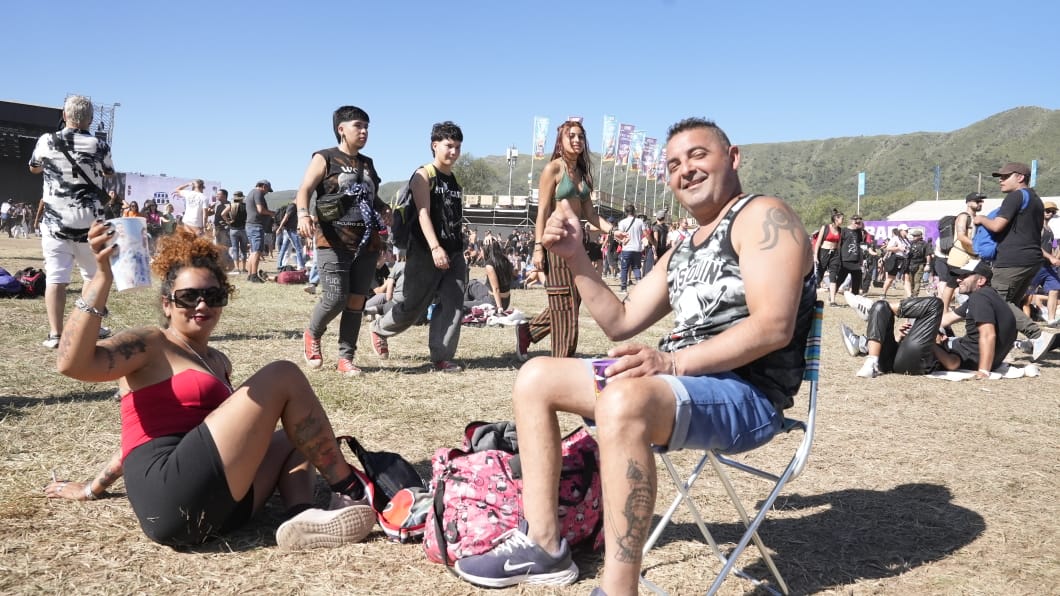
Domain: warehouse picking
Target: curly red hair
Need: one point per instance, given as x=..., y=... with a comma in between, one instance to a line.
x=183, y=248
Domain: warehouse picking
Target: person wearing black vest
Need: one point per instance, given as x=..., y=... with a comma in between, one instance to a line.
x=435, y=257
x=236, y=216
x=346, y=228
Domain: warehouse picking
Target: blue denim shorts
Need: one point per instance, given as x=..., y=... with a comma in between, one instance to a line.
x=256, y=237
x=721, y=412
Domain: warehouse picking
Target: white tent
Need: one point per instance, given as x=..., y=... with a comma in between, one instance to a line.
x=921, y=210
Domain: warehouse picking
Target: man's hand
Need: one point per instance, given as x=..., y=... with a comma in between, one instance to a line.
x=638, y=360
x=306, y=226
x=563, y=232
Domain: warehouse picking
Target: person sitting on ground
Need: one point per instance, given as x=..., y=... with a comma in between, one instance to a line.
x=496, y=289
x=742, y=291
x=199, y=456
x=990, y=330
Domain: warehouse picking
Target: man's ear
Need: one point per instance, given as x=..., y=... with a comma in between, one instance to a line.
x=734, y=155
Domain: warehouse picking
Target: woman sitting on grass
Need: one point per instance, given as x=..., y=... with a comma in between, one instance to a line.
x=497, y=288
x=199, y=457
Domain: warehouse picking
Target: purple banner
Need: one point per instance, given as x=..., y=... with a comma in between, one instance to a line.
x=637, y=151
x=625, y=134
x=649, y=157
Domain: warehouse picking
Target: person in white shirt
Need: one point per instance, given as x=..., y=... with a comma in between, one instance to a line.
x=194, y=205
x=631, y=234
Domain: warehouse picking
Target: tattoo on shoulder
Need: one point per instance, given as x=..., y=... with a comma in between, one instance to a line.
x=776, y=223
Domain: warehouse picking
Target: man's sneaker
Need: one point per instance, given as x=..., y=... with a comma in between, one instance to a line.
x=262, y=275
x=1041, y=345
x=348, y=368
x=379, y=345
x=315, y=528
x=517, y=560
x=850, y=340
x=52, y=342
x=254, y=279
x=447, y=366
x=311, y=350
x=1024, y=345
x=310, y=289
x=105, y=332
x=860, y=304
x=869, y=370
x=522, y=341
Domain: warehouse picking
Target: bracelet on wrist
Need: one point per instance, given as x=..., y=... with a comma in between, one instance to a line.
x=84, y=307
x=91, y=496
x=434, y=248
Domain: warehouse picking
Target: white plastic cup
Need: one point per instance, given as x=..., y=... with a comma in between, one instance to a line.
x=132, y=263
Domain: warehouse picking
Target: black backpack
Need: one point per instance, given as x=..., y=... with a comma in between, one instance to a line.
x=946, y=233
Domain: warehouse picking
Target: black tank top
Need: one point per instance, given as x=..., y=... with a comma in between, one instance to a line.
x=239, y=215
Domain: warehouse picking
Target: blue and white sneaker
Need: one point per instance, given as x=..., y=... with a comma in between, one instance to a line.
x=850, y=340
x=517, y=560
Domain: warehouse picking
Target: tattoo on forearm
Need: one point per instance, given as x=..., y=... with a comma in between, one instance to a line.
x=777, y=222
x=638, y=510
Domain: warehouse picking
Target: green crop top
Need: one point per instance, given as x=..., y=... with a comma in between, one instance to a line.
x=566, y=189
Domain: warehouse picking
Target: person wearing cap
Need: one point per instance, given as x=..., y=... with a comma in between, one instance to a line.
x=918, y=258
x=895, y=261
x=660, y=233
x=1018, y=230
x=235, y=215
x=852, y=248
x=258, y=214
x=962, y=250
x=195, y=203
x=990, y=330
x=1047, y=280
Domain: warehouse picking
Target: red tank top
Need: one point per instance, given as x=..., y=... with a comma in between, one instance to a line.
x=170, y=407
x=831, y=236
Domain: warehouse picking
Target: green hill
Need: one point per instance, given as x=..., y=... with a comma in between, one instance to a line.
x=818, y=175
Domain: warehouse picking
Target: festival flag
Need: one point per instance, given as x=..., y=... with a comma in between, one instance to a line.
x=610, y=131
x=1034, y=173
x=636, y=150
x=540, y=132
x=649, y=157
x=660, y=164
x=861, y=184
x=625, y=132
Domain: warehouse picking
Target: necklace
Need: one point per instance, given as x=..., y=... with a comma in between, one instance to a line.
x=204, y=363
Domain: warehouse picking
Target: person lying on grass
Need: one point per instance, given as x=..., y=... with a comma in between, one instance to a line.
x=199, y=456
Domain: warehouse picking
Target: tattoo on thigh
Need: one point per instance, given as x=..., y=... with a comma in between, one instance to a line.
x=640, y=503
x=776, y=222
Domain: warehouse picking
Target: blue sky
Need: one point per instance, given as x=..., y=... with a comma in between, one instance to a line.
x=237, y=91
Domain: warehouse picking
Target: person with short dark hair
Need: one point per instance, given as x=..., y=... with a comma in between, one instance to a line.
x=199, y=456
x=918, y=259
x=435, y=257
x=258, y=227
x=741, y=291
x=1019, y=247
x=962, y=250
x=990, y=330
x=69, y=205
x=631, y=235
x=347, y=241
x=195, y=205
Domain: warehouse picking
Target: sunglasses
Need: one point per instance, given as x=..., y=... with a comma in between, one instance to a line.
x=190, y=297
x=1050, y=210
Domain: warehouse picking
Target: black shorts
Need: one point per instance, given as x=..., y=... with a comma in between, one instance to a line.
x=942, y=270
x=178, y=490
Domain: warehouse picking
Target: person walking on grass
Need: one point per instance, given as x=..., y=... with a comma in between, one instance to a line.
x=199, y=456
x=347, y=242
x=434, y=261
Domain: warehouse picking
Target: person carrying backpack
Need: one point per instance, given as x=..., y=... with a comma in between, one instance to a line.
x=1018, y=231
x=918, y=257
x=962, y=250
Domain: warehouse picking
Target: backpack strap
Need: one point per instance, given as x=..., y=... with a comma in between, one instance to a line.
x=60, y=144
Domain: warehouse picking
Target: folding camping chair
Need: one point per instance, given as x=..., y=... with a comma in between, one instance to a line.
x=718, y=463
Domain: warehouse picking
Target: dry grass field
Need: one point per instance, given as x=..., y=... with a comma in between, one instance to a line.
x=915, y=486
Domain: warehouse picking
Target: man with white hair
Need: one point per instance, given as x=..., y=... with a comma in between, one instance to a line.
x=74, y=164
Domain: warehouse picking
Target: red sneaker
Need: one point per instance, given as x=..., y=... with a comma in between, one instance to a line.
x=348, y=368
x=380, y=346
x=522, y=341
x=447, y=366
x=311, y=350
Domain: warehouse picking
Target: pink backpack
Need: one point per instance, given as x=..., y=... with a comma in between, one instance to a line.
x=478, y=497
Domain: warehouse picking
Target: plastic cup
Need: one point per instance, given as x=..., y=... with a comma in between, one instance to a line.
x=599, y=366
x=132, y=262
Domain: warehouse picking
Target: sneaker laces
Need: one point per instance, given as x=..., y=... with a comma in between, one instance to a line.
x=510, y=540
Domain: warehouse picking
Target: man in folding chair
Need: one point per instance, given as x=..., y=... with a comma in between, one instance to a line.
x=742, y=291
